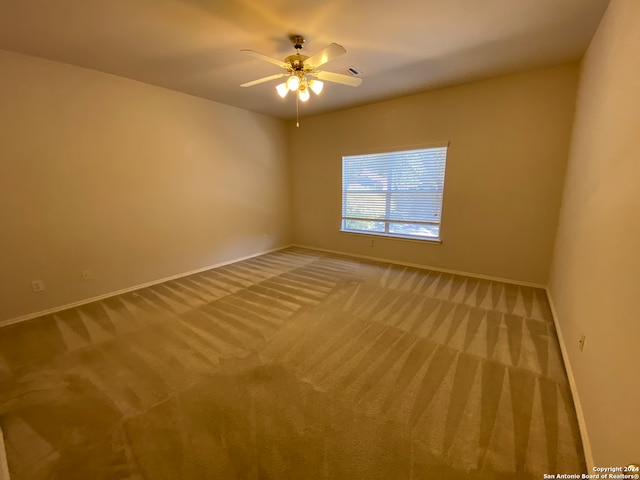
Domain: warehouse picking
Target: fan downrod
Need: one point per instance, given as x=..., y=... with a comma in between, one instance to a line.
x=296, y=61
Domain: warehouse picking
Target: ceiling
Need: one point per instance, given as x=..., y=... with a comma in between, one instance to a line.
x=401, y=46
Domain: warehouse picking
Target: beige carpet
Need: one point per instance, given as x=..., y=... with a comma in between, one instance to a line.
x=292, y=365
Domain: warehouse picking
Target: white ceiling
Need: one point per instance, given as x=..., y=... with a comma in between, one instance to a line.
x=401, y=46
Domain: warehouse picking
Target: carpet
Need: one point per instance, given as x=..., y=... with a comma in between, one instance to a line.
x=296, y=364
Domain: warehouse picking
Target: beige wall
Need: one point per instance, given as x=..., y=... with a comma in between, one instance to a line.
x=509, y=143
x=595, y=279
x=130, y=181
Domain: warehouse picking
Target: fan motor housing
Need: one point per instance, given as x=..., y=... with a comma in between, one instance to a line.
x=296, y=61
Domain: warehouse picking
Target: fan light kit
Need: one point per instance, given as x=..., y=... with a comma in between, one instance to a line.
x=301, y=72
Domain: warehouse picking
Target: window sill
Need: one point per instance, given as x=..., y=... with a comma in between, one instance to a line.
x=436, y=241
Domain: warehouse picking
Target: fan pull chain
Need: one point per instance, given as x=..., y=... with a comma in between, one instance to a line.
x=297, y=116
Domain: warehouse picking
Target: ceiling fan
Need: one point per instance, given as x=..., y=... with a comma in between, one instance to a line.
x=301, y=70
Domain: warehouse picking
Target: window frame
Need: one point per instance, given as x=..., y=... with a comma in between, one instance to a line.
x=387, y=221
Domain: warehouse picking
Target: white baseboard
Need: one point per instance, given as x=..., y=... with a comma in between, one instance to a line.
x=4, y=466
x=30, y=316
x=427, y=267
x=588, y=456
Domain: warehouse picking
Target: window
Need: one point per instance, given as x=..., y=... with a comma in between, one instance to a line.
x=397, y=194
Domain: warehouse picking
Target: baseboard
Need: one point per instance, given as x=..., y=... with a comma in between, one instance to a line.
x=427, y=267
x=49, y=311
x=4, y=466
x=588, y=456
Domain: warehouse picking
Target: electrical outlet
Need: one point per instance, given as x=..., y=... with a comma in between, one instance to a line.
x=87, y=275
x=37, y=286
x=265, y=237
x=582, y=339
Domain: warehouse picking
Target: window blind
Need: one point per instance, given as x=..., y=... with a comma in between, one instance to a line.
x=395, y=193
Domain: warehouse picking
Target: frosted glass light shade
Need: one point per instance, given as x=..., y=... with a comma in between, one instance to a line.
x=316, y=86
x=293, y=83
x=282, y=90
x=304, y=95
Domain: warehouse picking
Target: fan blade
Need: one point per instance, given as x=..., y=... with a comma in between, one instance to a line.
x=259, y=55
x=264, y=79
x=325, y=55
x=338, y=78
